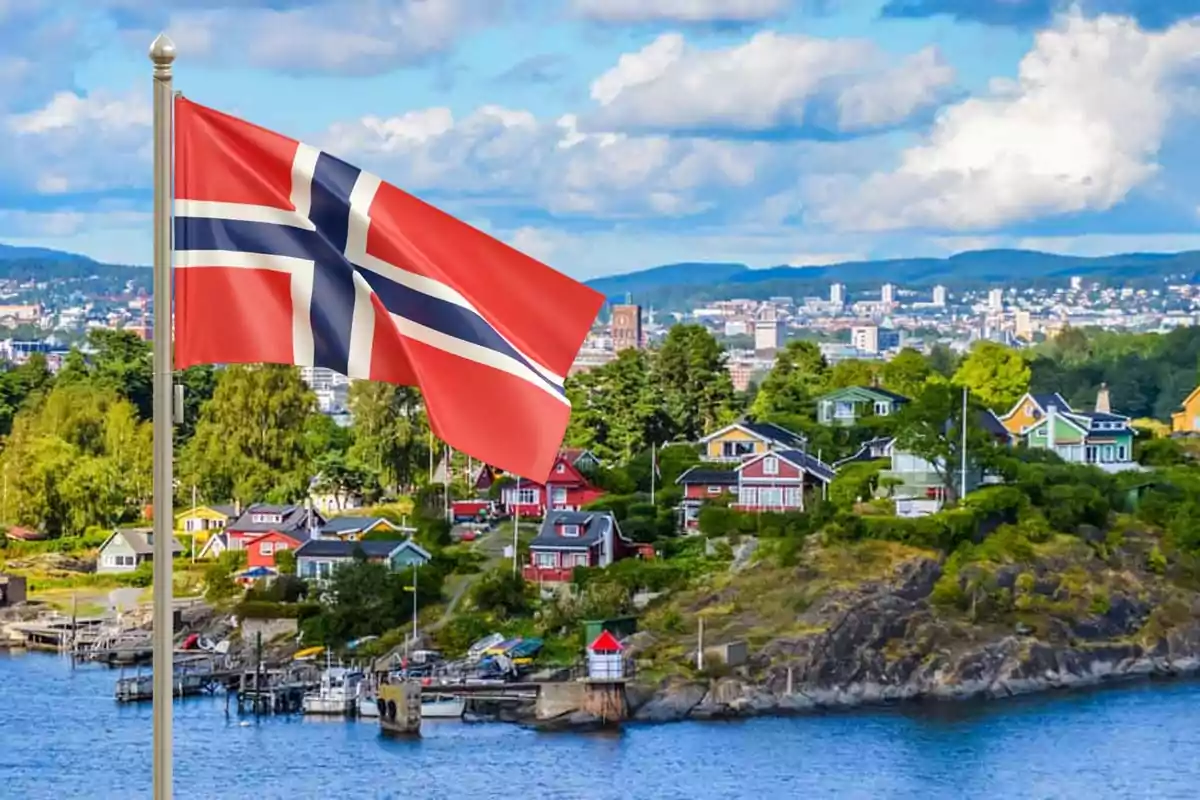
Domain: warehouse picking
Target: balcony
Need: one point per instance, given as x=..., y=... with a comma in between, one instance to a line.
x=547, y=574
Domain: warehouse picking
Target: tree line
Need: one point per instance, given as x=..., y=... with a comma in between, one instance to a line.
x=77, y=453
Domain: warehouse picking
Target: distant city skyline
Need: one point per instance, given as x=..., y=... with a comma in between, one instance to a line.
x=607, y=136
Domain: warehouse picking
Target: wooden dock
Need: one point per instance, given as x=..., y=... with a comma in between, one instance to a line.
x=194, y=675
x=271, y=691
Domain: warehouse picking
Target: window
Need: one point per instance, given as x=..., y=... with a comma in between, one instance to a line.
x=747, y=495
x=526, y=497
x=576, y=559
x=266, y=519
x=266, y=548
x=882, y=408
x=1108, y=453
x=281, y=546
x=193, y=525
x=569, y=530
x=736, y=449
x=561, y=468
x=770, y=465
x=1121, y=455
x=791, y=497
x=1090, y=454
x=843, y=410
x=770, y=497
x=546, y=560
x=714, y=490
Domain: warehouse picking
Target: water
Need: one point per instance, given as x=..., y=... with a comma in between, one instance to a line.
x=63, y=736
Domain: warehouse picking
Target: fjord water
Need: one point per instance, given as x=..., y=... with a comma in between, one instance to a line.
x=63, y=736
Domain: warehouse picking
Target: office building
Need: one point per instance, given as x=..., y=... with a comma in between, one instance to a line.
x=887, y=295
x=837, y=294
x=939, y=296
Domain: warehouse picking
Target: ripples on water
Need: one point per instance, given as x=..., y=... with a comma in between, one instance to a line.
x=63, y=736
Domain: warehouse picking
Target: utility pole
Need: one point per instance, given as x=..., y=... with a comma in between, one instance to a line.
x=516, y=523
x=963, y=477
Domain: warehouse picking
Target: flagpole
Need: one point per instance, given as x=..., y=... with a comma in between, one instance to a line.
x=162, y=54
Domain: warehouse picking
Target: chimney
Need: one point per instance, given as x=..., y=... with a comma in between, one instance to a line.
x=1051, y=419
x=237, y=508
x=1103, y=406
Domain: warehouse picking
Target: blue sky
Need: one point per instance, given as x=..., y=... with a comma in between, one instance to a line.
x=604, y=136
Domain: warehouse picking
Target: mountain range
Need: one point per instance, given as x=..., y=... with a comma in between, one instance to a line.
x=682, y=285
x=678, y=286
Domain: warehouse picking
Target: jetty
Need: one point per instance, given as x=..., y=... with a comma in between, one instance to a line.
x=194, y=674
x=272, y=691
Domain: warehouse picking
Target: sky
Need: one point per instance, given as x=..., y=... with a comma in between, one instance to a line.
x=607, y=136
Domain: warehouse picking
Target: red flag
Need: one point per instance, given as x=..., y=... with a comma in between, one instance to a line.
x=287, y=255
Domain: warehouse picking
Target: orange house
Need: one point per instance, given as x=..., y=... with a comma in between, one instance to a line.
x=1187, y=419
x=1030, y=409
x=260, y=551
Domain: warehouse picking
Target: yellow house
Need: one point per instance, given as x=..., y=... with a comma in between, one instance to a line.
x=1187, y=419
x=203, y=521
x=1031, y=408
x=741, y=440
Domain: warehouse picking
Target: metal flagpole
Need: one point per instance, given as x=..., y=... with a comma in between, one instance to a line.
x=962, y=480
x=162, y=53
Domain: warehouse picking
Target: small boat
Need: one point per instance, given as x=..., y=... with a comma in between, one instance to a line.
x=337, y=694
x=442, y=706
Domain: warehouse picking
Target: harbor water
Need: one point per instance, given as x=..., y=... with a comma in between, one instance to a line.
x=64, y=736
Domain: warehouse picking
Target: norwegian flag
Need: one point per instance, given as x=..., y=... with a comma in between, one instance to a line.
x=287, y=255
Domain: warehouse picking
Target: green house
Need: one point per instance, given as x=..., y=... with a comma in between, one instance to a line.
x=847, y=406
x=1099, y=438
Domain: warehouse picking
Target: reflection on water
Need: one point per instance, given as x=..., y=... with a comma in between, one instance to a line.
x=63, y=736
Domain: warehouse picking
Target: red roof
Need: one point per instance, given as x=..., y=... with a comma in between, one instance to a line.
x=605, y=643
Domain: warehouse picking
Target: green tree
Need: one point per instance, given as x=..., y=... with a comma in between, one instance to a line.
x=996, y=374
x=790, y=389
x=853, y=372
x=78, y=459
x=907, y=373
x=249, y=442
x=617, y=409
x=931, y=428
x=942, y=360
x=121, y=362
x=391, y=433
x=696, y=387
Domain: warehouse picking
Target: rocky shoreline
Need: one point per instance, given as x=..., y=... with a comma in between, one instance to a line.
x=886, y=642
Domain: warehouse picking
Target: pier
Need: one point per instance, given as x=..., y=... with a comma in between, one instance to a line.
x=271, y=691
x=194, y=675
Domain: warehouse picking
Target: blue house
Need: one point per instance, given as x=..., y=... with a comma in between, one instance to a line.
x=316, y=559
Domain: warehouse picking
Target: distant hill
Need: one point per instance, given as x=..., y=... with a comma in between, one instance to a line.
x=676, y=285
x=10, y=252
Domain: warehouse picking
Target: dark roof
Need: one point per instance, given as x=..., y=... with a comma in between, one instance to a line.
x=1051, y=399
x=992, y=424
x=899, y=398
x=874, y=390
x=864, y=452
x=337, y=548
x=294, y=518
x=810, y=464
x=225, y=508
x=1101, y=416
x=708, y=477
x=775, y=433
x=141, y=540
x=355, y=524
x=592, y=525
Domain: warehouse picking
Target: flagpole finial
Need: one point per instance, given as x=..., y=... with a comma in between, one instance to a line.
x=162, y=50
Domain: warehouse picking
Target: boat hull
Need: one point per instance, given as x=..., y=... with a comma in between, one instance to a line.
x=449, y=708
x=328, y=707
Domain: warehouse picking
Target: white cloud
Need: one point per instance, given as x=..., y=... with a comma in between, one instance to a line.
x=772, y=83
x=1078, y=130
x=350, y=37
x=499, y=156
x=682, y=11
x=79, y=143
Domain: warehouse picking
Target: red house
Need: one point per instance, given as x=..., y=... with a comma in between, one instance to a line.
x=567, y=489
x=570, y=539
x=778, y=480
x=260, y=551
x=701, y=485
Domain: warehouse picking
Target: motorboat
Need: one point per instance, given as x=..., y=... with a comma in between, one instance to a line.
x=336, y=695
x=442, y=706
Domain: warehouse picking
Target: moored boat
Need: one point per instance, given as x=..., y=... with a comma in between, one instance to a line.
x=442, y=706
x=336, y=695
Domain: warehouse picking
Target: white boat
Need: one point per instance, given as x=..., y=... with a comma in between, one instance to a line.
x=368, y=706
x=337, y=694
x=442, y=706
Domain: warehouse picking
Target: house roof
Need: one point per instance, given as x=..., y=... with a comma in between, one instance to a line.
x=797, y=458
x=294, y=517
x=344, y=525
x=707, y=476
x=1081, y=424
x=575, y=454
x=767, y=431
x=221, y=538
x=592, y=527
x=1101, y=416
x=1190, y=397
x=371, y=548
x=141, y=541
x=1055, y=399
x=991, y=423
x=874, y=392
x=864, y=451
